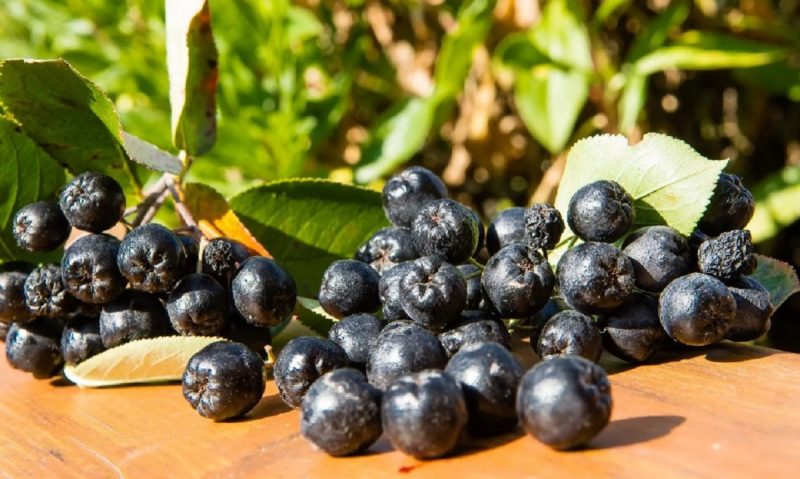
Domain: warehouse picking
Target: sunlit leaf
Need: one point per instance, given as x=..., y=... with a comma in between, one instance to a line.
x=150, y=155
x=311, y=314
x=778, y=277
x=777, y=203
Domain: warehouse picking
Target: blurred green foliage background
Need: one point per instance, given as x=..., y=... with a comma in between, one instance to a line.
x=488, y=94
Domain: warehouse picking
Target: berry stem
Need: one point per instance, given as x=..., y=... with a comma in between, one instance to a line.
x=180, y=207
x=146, y=210
x=476, y=263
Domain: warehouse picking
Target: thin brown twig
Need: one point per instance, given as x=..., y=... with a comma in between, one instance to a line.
x=180, y=207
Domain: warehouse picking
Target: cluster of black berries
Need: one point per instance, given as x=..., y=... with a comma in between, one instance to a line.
x=107, y=292
x=421, y=352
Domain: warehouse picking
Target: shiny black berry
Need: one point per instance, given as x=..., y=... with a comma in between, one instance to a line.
x=489, y=376
x=432, y=293
x=473, y=327
x=222, y=258
x=728, y=256
x=570, y=333
x=543, y=226
x=89, y=269
x=388, y=247
x=92, y=202
x=301, y=362
x=753, y=310
x=659, y=254
x=133, y=315
x=564, y=402
x=730, y=207
x=224, y=380
x=472, y=274
x=263, y=292
x=517, y=281
x=696, y=309
x=506, y=228
x=197, y=306
x=356, y=335
x=81, y=339
x=152, y=258
x=40, y=226
x=403, y=348
x=446, y=229
x=601, y=211
x=389, y=291
x=342, y=413
x=35, y=347
x=349, y=287
x=408, y=191
x=633, y=331
x=12, y=298
x=424, y=414
x=595, y=277
x=46, y=295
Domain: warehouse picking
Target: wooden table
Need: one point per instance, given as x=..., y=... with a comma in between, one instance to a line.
x=726, y=411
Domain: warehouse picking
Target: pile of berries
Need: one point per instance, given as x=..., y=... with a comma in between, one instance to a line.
x=107, y=292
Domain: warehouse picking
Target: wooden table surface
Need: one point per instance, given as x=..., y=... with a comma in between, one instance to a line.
x=726, y=411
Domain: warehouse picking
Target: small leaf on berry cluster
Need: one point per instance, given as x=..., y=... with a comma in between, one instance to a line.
x=143, y=361
x=778, y=277
x=313, y=316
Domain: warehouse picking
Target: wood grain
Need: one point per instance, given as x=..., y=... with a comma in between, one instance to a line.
x=726, y=411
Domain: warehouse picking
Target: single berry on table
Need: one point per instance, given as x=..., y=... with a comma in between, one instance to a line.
x=152, y=258
x=40, y=226
x=224, y=380
x=89, y=269
x=301, y=362
x=432, y=293
x=342, y=412
x=424, y=414
x=601, y=211
x=489, y=376
x=517, y=281
x=92, y=202
x=35, y=347
x=263, y=292
x=564, y=402
x=408, y=191
x=197, y=306
x=349, y=287
x=570, y=333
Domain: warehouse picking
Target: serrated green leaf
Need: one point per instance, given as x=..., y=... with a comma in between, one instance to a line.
x=66, y=115
x=778, y=277
x=549, y=101
x=193, y=71
x=27, y=174
x=313, y=316
x=709, y=51
x=150, y=155
x=143, y=361
x=307, y=224
x=777, y=203
x=669, y=181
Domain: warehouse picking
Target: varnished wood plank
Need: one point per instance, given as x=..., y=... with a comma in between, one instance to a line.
x=727, y=411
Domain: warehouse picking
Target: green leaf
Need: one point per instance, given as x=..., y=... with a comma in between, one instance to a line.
x=656, y=31
x=27, y=174
x=397, y=138
x=307, y=224
x=549, y=101
x=632, y=101
x=777, y=203
x=150, y=155
x=780, y=78
x=193, y=72
x=607, y=9
x=778, y=277
x=517, y=52
x=709, y=51
x=313, y=316
x=143, y=361
x=455, y=58
x=562, y=35
x=669, y=181
x=66, y=115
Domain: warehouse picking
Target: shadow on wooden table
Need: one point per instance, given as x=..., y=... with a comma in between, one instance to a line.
x=635, y=430
x=268, y=406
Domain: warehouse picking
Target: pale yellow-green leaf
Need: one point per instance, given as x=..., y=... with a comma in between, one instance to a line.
x=143, y=361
